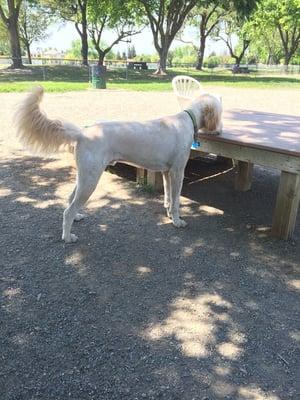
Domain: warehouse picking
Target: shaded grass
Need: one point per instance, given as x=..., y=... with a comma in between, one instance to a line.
x=7, y=87
x=68, y=78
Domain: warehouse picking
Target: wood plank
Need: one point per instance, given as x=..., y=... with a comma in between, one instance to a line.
x=287, y=204
x=243, y=176
x=267, y=158
x=195, y=154
x=259, y=130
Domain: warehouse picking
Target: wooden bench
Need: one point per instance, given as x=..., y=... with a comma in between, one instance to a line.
x=240, y=70
x=137, y=65
x=270, y=140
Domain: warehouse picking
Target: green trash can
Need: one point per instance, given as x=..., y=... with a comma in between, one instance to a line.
x=98, y=73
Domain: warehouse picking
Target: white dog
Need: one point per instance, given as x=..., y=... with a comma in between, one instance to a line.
x=160, y=145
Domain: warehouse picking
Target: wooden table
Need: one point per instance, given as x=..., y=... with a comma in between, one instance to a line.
x=270, y=140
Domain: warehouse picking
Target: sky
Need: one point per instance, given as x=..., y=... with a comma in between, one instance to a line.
x=61, y=36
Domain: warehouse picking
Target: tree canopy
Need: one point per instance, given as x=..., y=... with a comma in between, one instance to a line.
x=33, y=24
x=279, y=21
x=115, y=15
x=268, y=30
x=165, y=17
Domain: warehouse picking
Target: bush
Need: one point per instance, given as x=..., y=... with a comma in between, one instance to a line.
x=142, y=57
x=212, y=61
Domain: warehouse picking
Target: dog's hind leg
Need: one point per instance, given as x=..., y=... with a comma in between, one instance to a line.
x=167, y=188
x=71, y=197
x=78, y=216
x=176, y=177
x=87, y=182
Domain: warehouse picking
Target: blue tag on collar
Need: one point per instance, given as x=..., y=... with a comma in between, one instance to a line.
x=195, y=145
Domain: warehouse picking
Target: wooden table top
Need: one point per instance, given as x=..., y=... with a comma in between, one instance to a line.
x=275, y=132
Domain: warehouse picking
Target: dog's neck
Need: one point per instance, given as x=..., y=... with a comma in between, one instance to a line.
x=191, y=114
x=195, y=112
x=196, y=108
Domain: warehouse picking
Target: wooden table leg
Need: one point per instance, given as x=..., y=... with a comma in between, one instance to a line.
x=155, y=179
x=147, y=177
x=141, y=176
x=225, y=160
x=287, y=203
x=243, y=177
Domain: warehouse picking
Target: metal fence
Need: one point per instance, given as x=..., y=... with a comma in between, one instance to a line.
x=257, y=68
x=116, y=64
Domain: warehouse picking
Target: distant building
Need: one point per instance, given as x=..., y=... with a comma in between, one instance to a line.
x=48, y=53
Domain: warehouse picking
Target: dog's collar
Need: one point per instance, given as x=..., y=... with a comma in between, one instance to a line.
x=193, y=118
x=196, y=142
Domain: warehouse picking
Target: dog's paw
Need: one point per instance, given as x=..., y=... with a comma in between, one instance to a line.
x=179, y=223
x=79, y=217
x=70, y=239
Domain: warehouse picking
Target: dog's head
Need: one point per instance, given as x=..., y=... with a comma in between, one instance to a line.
x=210, y=113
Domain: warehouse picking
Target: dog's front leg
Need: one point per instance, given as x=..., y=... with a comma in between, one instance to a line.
x=176, y=178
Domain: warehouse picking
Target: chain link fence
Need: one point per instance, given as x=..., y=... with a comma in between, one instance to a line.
x=122, y=64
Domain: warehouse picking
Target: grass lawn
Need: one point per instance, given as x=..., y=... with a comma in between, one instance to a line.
x=68, y=78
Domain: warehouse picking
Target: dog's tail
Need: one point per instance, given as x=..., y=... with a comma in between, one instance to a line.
x=39, y=133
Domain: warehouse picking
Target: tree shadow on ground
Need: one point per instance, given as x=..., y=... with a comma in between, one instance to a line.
x=138, y=309
x=53, y=73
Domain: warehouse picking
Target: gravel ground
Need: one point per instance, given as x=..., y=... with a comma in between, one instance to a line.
x=138, y=309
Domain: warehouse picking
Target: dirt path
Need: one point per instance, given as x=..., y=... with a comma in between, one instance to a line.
x=139, y=309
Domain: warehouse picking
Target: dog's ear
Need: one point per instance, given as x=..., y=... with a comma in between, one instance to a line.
x=211, y=116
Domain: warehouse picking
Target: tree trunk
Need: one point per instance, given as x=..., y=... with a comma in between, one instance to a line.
x=84, y=49
x=14, y=40
x=162, y=63
x=83, y=34
x=287, y=59
x=238, y=60
x=84, y=38
x=28, y=53
x=200, y=57
x=203, y=25
x=101, y=57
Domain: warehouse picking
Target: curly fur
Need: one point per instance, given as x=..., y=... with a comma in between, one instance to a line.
x=211, y=113
x=39, y=133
